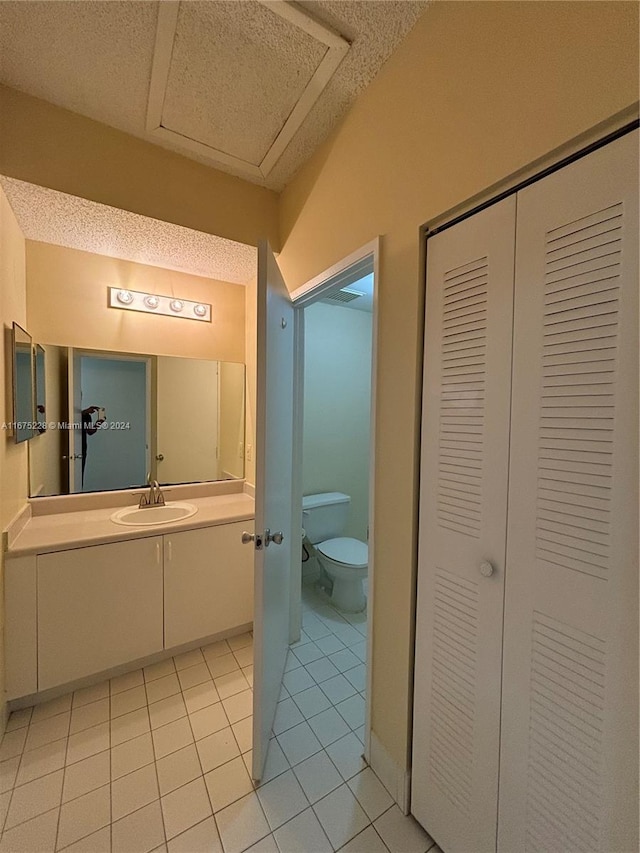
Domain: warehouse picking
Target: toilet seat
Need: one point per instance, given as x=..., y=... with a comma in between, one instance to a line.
x=347, y=551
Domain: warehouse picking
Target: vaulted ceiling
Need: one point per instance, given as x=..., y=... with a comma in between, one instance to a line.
x=251, y=87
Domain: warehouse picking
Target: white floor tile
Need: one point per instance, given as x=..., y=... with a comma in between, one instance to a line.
x=242, y=824
x=132, y=792
x=201, y=838
x=9, y=772
x=360, y=650
x=222, y=665
x=126, y=681
x=5, y=800
x=311, y=702
x=87, y=775
x=161, y=688
x=217, y=749
x=240, y=641
x=200, y=696
x=208, y=720
x=243, y=733
x=167, y=711
x=178, y=768
x=281, y=799
x=188, y=659
x=231, y=683
x=308, y=652
x=13, y=743
x=291, y=662
x=348, y=634
x=344, y=660
x=131, y=755
x=341, y=816
x=87, y=743
x=352, y=710
x=265, y=845
x=228, y=783
x=248, y=674
x=84, y=816
x=172, y=737
x=346, y=754
x=139, y=832
x=322, y=670
x=299, y=743
x=329, y=645
x=370, y=793
x=216, y=650
x=318, y=776
x=35, y=798
x=127, y=701
x=130, y=725
x=368, y=841
x=275, y=764
x=185, y=808
x=357, y=676
x=197, y=674
x=87, y=695
x=314, y=627
x=287, y=716
x=297, y=680
x=303, y=833
x=97, y=842
x=38, y=834
x=46, y=731
x=338, y=689
x=244, y=656
x=51, y=708
x=92, y=714
x=401, y=833
x=19, y=719
x=39, y=762
x=328, y=726
x=239, y=706
x=159, y=670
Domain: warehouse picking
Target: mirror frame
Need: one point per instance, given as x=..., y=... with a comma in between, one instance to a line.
x=19, y=435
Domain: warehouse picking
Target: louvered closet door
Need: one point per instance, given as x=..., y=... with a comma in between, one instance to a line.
x=463, y=501
x=568, y=778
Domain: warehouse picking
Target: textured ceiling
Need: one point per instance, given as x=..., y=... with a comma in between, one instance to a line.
x=65, y=220
x=236, y=69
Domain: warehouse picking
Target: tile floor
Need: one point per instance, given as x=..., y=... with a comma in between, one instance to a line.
x=158, y=759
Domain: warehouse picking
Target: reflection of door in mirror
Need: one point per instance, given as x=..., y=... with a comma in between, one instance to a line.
x=23, y=414
x=187, y=420
x=112, y=453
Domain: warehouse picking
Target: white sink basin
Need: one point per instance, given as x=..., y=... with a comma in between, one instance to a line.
x=148, y=516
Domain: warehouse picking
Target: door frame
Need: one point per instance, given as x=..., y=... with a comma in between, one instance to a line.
x=302, y=297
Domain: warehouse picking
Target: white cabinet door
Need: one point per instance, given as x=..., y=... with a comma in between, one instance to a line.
x=463, y=502
x=208, y=583
x=569, y=764
x=98, y=607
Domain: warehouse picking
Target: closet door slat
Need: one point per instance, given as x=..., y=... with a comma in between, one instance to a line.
x=463, y=498
x=569, y=744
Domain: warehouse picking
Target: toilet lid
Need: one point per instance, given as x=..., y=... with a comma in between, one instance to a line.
x=351, y=552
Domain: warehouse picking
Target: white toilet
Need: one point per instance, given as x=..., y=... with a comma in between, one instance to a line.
x=345, y=560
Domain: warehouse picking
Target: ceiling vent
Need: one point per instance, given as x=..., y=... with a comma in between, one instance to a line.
x=343, y=296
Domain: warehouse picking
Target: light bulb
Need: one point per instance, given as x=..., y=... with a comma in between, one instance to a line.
x=125, y=297
x=176, y=305
x=151, y=302
x=200, y=310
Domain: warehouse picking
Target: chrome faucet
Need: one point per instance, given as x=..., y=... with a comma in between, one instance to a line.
x=154, y=497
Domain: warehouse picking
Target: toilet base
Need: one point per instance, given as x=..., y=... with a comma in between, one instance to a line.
x=348, y=595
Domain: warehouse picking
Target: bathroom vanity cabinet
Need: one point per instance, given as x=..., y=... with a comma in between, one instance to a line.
x=75, y=613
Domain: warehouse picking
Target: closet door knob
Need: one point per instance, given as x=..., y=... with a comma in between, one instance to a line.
x=486, y=569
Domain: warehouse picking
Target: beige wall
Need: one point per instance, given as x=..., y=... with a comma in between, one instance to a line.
x=67, y=305
x=13, y=457
x=337, y=408
x=477, y=91
x=56, y=148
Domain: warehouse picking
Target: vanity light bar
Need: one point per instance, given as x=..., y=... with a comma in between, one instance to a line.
x=152, y=303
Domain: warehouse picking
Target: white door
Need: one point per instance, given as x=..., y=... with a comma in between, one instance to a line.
x=274, y=511
x=569, y=763
x=463, y=502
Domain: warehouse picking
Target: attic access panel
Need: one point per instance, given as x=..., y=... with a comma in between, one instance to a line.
x=234, y=81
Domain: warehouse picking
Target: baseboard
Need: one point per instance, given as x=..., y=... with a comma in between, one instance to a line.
x=395, y=778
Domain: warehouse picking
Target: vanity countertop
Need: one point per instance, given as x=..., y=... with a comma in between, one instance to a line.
x=66, y=530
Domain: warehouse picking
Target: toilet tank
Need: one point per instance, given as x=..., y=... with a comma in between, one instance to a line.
x=324, y=516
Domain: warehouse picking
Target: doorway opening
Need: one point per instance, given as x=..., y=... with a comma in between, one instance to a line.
x=332, y=580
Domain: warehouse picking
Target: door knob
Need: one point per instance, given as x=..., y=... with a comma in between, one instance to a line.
x=252, y=537
x=276, y=538
x=486, y=569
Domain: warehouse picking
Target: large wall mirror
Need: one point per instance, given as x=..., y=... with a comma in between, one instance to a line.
x=114, y=418
x=23, y=395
